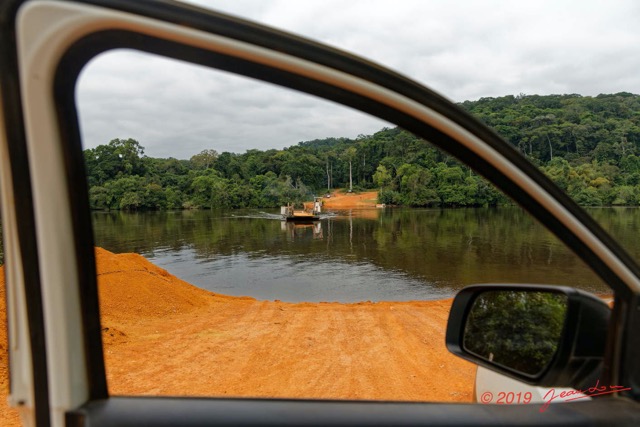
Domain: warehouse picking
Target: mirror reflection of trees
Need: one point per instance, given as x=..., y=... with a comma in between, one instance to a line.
x=517, y=329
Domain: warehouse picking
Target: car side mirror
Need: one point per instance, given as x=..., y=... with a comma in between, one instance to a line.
x=543, y=335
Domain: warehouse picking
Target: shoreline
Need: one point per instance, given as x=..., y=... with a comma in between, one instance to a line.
x=164, y=336
x=217, y=345
x=340, y=200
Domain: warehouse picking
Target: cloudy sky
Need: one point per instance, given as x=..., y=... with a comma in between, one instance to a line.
x=464, y=50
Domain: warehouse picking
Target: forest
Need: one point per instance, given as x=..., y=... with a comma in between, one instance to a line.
x=590, y=146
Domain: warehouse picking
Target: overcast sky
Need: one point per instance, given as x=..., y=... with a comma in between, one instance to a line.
x=464, y=50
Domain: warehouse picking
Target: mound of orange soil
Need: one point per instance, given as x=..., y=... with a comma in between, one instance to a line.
x=131, y=287
x=163, y=336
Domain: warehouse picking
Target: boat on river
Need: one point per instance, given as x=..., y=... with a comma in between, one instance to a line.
x=305, y=215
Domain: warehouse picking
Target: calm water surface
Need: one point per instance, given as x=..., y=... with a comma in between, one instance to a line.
x=357, y=255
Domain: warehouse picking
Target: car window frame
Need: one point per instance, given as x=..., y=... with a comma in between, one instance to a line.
x=213, y=23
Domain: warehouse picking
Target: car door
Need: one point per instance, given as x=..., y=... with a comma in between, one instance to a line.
x=58, y=373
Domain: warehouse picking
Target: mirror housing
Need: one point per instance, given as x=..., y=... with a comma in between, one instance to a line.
x=570, y=354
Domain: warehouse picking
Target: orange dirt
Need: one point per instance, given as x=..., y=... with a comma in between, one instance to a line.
x=341, y=199
x=164, y=336
x=8, y=416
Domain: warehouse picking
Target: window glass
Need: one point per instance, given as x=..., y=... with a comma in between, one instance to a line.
x=205, y=289
x=588, y=145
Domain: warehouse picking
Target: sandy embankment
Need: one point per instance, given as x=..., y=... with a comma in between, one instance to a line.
x=164, y=336
x=340, y=199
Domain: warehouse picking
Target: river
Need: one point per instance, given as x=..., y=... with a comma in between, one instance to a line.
x=357, y=255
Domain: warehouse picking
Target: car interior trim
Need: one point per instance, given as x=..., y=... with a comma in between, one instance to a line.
x=81, y=21
x=22, y=271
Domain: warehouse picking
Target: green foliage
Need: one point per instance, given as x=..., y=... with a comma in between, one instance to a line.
x=605, y=128
x=204, y=160
x=589, y=146
x=382, y=177
x=389, y=196
x=517, y=329
x=118, y=158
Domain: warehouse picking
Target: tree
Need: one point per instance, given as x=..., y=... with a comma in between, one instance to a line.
x=204, y=160
x=416, y=189
x=350, y=154
x=291, y=193
x=589, y=146
x=305, y=167
x=382, y=177
x=121, y=157
x=329, y=156
x=125, y=193
x=210, y=192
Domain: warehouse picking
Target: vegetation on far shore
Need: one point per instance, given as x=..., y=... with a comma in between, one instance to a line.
x=590, y=146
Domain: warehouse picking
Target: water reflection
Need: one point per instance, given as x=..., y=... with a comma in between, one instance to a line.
x=353, y=255
x=415, y=253
x=302, y=231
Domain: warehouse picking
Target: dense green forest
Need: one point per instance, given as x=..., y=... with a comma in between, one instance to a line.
x=590, y=146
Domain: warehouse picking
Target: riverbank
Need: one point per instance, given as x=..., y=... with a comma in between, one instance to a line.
x=163, y=336
x=341, y=199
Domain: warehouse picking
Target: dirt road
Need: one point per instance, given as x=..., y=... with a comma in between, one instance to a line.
x=208, y=344
x=340, y=199
x=164, y=336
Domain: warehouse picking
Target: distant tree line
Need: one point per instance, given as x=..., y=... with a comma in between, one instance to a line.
x=590, y=146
